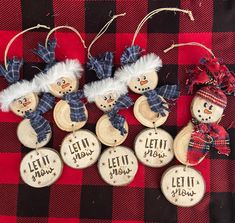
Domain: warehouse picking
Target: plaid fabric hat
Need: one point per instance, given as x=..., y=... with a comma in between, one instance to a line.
x=214, y=95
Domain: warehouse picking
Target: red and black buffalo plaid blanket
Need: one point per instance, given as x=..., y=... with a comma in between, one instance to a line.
x=81, y=195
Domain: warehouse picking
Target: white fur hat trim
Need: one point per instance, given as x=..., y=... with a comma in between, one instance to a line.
x=102, y=87
x=143, y=65
x=67, y=68
x=15, y=91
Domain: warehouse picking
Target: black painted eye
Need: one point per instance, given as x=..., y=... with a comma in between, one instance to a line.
x=58, y=83
x=138, y=79
x=210, y=107
x=20, y=102
x=63, y=81
x=24, y=99
x=105, y=98
x=144, y=77
x=110, y=97
x=205, y=104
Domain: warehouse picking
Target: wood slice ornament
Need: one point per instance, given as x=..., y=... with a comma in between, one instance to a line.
x=107, y=134
x=154, y=147
x=181, y=143
x=25, y=103
x=118, y=166
x=41, y=168
x=64, y=85
x=146, y=116
x=62, y=118
x=80, y=149
x=28, y=137
x=183, y=186
x=106, y=102
x=144, y=82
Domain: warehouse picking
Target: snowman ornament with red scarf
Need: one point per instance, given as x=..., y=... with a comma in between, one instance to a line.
x=193, y=142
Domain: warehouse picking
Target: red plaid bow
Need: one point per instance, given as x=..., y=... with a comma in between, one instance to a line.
x=204, y=137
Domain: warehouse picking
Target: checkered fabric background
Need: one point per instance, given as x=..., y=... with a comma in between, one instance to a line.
x=81, y=195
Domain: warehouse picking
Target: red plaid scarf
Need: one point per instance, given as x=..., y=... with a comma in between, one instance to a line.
x=204, y=137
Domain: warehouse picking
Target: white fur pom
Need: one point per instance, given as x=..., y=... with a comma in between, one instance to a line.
x=102, y=87
x=67, y=68
x=143, y=65
x=15, y=91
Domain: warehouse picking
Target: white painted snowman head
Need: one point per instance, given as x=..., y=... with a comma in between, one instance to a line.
x=141, y=76
x=105, y=93
x=208, y=104
x=60, y=79
x=19, y=97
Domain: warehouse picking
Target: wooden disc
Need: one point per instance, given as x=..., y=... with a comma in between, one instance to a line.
x=62, y=119
x=64, y=86
x=107, y=134
x=183, y=186
x=25, y=103
x=146, y=116
x=154, y=148
x=28, y=137
x=41, y=167
x=106, y=102
x=181, y=143
x=204, y=111
x=80, y=149
x=144, y=82
x=118, y=165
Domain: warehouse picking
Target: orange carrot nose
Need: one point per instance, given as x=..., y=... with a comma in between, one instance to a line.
x=26, y=103
x=207, y=111
x=65, y=85
x=143, y=82
x=110, y=100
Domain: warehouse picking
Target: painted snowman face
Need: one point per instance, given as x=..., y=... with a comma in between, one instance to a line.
x=205, y=111
x=106, y=102
x=64, y=86
x=25, y=103
x=144, y=82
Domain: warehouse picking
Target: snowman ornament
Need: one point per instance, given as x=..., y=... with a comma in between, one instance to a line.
x=61, y=79
x=42, y=166
x=21, y=95
x=153, y=146
x=80, y=148
x=194, y=142
x=109, y=95
x=117, y=164
x=203, y=133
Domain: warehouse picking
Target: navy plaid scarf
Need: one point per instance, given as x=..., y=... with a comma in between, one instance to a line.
x=77, y=112
x=38, y=122
x=117, y=120
x=102, y=65
x=204, y=137
x=156, y=103
x=130, y=55
x=12, y=73
x=47, y=53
